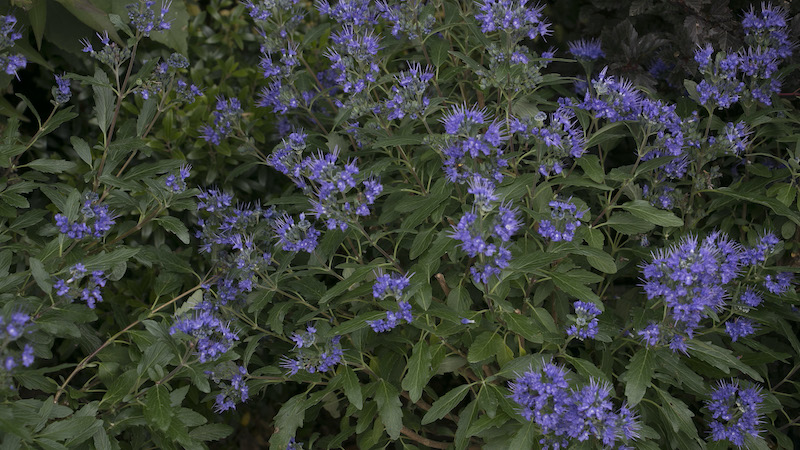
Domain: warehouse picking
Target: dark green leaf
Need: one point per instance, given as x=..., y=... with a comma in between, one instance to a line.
x=41, y=276
x=445, y=404
x=390, y=408
x=638, y=376
x=352, y=388
x=484, y=347
x=157, y=409
x=103, y=99
x=174, y=226
x=50, y=165
x=418, y=371
x=211, y=432
x=644, y=210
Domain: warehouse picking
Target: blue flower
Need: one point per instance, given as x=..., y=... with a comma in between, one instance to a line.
x=586, y=323
x=736, y=412
x=563, y=223
x=146, y=19
x=10, y=63
x=586, y=50
x=62, y=89
x=741, y=327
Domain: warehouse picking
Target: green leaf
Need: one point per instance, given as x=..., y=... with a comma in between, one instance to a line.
x=389, y=408
x=597, y=258
x=211, y=432
x=644, y=210
x=677, y=414
x=741, y=193
x=341, y=287
x=418, y=371
x=532, y=261
x=573, y=284
x=627, y=223
x=105, y=261
x=157, y=409
x=103, y=99
x=591, y=167
x=121, y=387
x=145, y=117
x=638, y=376
x=66, y=429
x=91, y=15
x=174, y=226
x=357, y=323
x=484, y=347
x=721, y=358
x=38, y=17
x=352, y=388
x=41, y=276
x=50, y=165
x=178, y=33
x=525, y=437
x=82, y=149
x=524, y=326
x=288, y=420
x=439, y=48
x=445, y=404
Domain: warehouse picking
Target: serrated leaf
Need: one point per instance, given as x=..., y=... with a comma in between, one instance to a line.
x=389, y=408
x=103, y=99
x=41, y=276
x=82, y=149
x=597, y=258
x=644, y=210
x=352, y=388
x=591, y=167
x=418, y=371
x=483, y=347
x=50, y=165
x=289, y=418
x=775, y=205
x=638, y=376
x=721, y=358
x=341, y=287
x=573, y=284
x=525, y=437
x=211, y=432
x=677, y=414
x=157, y=409
x=174, y=226
x=445, y=404
x=524, y=326
x=627, y=223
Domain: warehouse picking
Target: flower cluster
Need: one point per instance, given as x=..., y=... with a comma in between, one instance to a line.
x=780, y=283
x=69, y=289
x=206, y=324
x=586, y=50
x=326, y=182
x=661, y=196
x=11, y=329
x=408, y=96
x=177, y=183
x=476, y=229
x=750, y=71
x=10, y=63
x=391, y=285
x=469, y=149
x=564, y=220
x=61, y=91
x=735, y=410
x=512, y=66
x=96, y=220
x=146, y=19
x=226, y=118
x=164, y=76
x=691, y=276
x=354, y=60
x=296, y=237
x=230, y=233
x=734, y=138
x=565, y=415
x=315, y=357
x=411, y=18
x=560, y=139
x=612, y=99
x=234, y=391
x=515, y=17
x=111, y=54
x=586, y=323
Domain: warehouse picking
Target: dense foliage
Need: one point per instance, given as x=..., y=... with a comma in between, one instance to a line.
x=405, y=224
